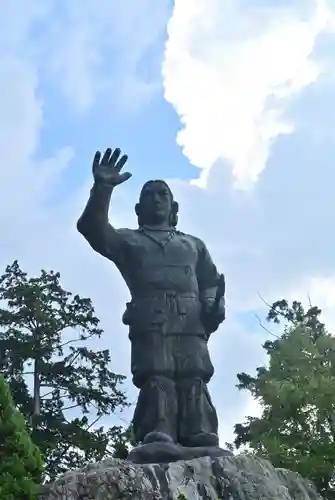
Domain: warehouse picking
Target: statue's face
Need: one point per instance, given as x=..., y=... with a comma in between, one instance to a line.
x=156, y=203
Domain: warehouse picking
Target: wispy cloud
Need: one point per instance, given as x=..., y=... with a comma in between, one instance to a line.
x=95, y=49
x=61, y=55
x=23, y=179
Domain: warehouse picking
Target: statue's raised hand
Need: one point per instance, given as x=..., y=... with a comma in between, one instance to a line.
x=107, y=169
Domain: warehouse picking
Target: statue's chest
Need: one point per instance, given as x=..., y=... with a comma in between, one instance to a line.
x=161, y=249
x=161, y=266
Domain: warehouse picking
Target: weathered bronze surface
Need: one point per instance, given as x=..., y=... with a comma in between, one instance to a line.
x=177, y=301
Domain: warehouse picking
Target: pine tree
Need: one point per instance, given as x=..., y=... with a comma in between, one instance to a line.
x=61, y=386
x=21, y=463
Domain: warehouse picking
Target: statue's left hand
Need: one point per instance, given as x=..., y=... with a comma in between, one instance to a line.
x=213, y=314
x=216, y=311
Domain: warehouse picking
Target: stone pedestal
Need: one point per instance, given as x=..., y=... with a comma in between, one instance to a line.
x=240, y=477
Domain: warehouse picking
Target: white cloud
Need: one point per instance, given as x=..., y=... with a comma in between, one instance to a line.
x=318, y=291
x=22, y=179
x=230, y=72
x=322, y=291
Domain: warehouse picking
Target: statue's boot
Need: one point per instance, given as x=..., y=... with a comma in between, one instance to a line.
x=157, y=436
x=201, y=439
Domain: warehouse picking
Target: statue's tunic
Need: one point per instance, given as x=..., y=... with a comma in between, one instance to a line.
x=168, y=279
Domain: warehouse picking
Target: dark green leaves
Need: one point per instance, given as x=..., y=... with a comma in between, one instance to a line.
x=297, y=394
x=61, y=384
x=21, y=463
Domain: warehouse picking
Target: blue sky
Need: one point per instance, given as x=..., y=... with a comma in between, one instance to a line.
x=230, y=101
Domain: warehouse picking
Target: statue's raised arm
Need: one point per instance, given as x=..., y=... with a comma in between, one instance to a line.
x=93, y=223
x=176, y=302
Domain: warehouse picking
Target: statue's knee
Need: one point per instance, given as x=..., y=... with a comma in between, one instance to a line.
x=143, y=378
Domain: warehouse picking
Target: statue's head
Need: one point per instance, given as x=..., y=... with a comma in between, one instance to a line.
x=156, y=205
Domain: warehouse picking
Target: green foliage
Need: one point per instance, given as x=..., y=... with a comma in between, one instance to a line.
x=45, y=334
x=125, y=442
x=20, y=460
x=297, y=395
x=181, y=496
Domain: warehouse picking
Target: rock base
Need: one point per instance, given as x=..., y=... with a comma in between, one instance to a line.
x=165, y=452
x=240, y=477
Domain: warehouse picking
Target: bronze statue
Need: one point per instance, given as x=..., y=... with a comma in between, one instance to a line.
x=177, y=301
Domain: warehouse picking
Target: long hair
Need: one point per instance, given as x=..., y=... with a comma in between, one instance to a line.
x=173, y=218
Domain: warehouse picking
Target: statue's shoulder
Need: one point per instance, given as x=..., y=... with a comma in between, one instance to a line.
x=126, y=231
x=131, y=235
x=127, y=234
x=194, y=239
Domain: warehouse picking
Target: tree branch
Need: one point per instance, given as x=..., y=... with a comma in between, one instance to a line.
x=75, y=340
x=70, y=407
x=264, y=327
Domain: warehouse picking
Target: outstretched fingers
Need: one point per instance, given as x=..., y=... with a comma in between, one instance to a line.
x=106, y=157
x=121, y=163
x=113, y=160
x=124, y=177
x=96, y=160
x=114, y=157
